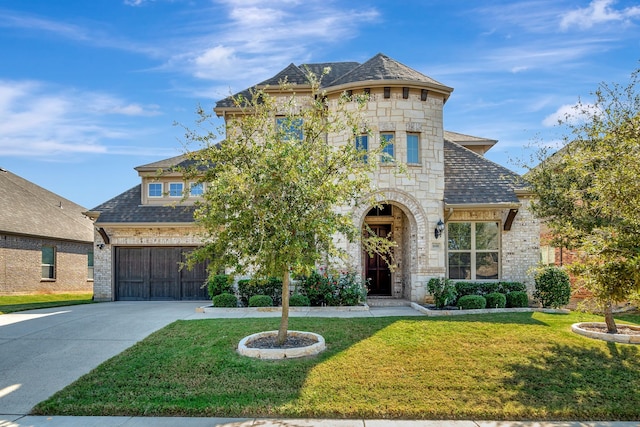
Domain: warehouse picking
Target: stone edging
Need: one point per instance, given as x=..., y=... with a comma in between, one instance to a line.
x=280, y=353
x=438, y=313
x=619, y=338
x=212, y=309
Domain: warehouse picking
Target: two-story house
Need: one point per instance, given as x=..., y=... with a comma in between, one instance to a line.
x=453, y=213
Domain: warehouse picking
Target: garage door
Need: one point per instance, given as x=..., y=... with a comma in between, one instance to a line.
x=154, y=274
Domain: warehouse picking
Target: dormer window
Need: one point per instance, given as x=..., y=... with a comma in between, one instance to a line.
x=176, y=189
x=155, y=189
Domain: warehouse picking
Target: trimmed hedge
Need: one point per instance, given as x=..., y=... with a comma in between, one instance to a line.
x=517, y=299
x=260, y=301
x=469, y=302
x=225, y=300
x=298, y=300
x=219, y=284
x=496, y=300
x=553, y=288
x=506, y=287
x=250, y=287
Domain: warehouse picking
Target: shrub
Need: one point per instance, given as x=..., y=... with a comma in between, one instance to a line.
x=299, y=300
x=467, y=288
x=219, y=284
x=506, y=287
x=553, y=288
x=225, y=300
x=351, y=289
x=469, y=302
x=260, y=301
x=496, y=300
x=334, y=289
x=250, y=287
x=487, y=288
x=517, y=299
x=443, y=291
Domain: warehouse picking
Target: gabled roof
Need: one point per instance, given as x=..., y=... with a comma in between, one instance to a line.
x=28, y=209
x=470, y=179
x=479, y=144
x=380, y=68
x=127, y=208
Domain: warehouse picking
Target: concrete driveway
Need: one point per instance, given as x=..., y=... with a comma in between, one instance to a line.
x=42, y=351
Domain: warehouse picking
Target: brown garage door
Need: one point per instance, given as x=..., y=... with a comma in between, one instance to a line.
x=154, y=274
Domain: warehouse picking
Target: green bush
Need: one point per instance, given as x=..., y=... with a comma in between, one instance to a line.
x=351, y=289
x=469, y=302
x=260, y=301
x=250, y=287
x=496, y=300
x=219, y=284
x=299, y=300
x=553, y=288
x=517, y=299
x=467, y=288
x=506, y=287
x=225, y=300
x=333, y=289
x=487, y=288
x=443, y=291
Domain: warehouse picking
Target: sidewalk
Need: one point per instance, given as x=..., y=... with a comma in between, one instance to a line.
x=30, y=421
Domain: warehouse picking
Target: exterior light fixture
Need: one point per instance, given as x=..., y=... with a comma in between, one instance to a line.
x=439, y=229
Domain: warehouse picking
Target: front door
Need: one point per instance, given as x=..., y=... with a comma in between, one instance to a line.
x=377, y=270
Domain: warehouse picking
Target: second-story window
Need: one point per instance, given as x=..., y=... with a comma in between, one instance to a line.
x=155, y=189
x=362, y=145
x=176, y=189
x=388, y=152
x=290, y=127
x=413, y=148
x=196, y=189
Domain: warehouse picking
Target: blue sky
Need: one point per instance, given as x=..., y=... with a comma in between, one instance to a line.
x=91, y=89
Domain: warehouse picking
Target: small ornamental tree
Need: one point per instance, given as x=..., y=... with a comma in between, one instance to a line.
x=276, y=188
x=588, y=194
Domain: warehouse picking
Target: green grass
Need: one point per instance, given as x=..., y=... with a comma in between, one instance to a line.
x=519, y=366
x=13, y=303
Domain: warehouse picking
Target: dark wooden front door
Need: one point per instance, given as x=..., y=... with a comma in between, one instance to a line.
x=377, y=270
x=153, y=273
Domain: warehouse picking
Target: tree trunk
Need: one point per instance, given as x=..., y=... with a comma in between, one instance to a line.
x=608, y=318
x=284, y=320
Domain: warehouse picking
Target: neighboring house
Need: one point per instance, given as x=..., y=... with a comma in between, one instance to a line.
x=46, y=243
x=454, y=214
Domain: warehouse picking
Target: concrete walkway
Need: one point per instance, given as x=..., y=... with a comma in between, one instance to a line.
x=43, y=351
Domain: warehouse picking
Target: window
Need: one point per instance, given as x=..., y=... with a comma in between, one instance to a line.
x=473, y=250
x=384, y=210
x=90, y=265
x=362, y=144
x=548, y=255
x=155, y=189
x=291, y=128
x=176, y=189
x=196, y=189
x=413, y=148
x=387, y=151
x=48, y=262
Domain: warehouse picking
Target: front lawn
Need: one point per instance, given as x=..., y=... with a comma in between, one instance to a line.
x=527, y=366
x=13, y=303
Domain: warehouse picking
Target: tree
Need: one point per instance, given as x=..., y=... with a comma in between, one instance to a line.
x=277, y=189
x=588, y=193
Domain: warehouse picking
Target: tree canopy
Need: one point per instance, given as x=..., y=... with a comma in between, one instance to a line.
x=588, y=193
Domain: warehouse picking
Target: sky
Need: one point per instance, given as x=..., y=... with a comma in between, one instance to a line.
x=91, y=89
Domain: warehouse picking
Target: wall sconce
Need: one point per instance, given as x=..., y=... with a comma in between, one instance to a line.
x=100, y=246
x=439, y=229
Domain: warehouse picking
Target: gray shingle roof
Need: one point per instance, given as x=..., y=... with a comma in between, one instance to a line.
x=380, y=67
x=126, y=208
x=470, y=178
x=28, y=209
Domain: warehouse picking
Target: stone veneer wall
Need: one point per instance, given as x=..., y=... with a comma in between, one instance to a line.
x=21, y=266
x=126, y=236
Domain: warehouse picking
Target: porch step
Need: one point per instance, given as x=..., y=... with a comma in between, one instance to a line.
x=387, y=302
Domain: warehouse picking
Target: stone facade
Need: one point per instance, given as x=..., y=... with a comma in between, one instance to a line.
x=21, y=266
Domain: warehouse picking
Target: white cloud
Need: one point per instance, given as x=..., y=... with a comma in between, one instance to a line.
x=571, y=114
x=39, y=121
x=598, y=12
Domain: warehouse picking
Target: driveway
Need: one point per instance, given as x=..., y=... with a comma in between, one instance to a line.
x=42, y=351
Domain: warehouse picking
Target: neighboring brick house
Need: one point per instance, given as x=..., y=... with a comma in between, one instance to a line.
x=46, y=243
x=453, y=214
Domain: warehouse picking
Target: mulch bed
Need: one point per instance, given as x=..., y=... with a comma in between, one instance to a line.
x=293, y=341
x=622, y=329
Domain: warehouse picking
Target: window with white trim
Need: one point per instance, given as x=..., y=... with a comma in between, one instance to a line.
x=176, y=189
x=196, y=189
x=473, y=250
x=388, y=150
x=48, y=262
x=155, y=189
x=413, y=148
